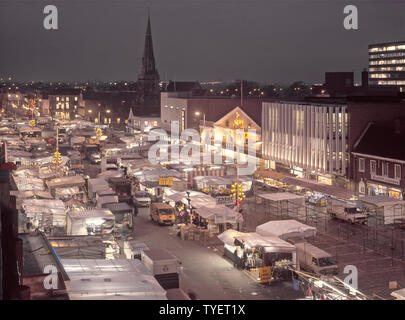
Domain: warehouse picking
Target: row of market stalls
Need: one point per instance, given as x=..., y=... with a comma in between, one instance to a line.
x=265, y=254
x=206, y=212
x=382, y=210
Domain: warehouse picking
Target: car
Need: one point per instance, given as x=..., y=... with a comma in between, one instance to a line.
x=142, y=199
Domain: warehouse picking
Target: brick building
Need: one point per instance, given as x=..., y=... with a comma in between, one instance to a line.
x=379, y=160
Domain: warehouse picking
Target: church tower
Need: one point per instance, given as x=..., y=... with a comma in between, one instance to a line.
x=148, y=91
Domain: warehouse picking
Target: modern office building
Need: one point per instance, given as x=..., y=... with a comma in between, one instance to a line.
x=309, y=139
x=387, y=64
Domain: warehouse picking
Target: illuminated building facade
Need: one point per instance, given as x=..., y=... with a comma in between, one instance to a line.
x=387, y=64
x=65, y=103
x=308, y=138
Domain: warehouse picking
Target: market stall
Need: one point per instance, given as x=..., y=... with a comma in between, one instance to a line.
x=284, y=204
x=264, y=258
x=90, y=222
x=286, y=229
x=217, y=219
x=46, y=215
x=384, y=210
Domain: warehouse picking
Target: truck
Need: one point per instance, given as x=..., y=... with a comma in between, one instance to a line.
x=346, y=211
x=163, y=266
x=315, y=260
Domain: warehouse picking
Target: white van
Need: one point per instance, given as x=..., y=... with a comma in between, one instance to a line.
x=315, y=260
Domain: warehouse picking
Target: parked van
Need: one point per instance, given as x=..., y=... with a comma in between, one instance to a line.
x=315, y=260
x=346, y=211
x=162, y=213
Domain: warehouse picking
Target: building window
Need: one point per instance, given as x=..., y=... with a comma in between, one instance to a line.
x=397, y=171
x=67, y=98
x=75, y=98
x=57, y=98
x=385, y=169
x=373, y=166
x=146, y=123
x=361, y=165
x=118, y=120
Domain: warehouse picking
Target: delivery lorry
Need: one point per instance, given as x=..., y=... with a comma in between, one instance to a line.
x=315, y=260
x=162, y=213
x=346, y=211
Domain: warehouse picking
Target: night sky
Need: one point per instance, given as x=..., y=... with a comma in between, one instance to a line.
x=275, y=41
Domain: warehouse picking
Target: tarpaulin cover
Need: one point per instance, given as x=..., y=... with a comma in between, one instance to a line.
x=285, y=229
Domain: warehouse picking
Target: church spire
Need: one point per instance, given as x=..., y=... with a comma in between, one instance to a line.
x=148, y=59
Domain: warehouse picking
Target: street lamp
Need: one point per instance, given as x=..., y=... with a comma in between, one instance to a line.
x=197, y=113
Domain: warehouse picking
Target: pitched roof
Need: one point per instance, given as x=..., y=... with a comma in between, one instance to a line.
x=383, y=141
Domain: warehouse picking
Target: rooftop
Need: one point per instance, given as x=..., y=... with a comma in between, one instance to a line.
x=383, y=141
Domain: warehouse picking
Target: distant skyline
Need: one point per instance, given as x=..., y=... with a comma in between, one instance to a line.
x=273, y=41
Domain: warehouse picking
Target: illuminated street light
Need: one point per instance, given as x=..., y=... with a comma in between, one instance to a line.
x=197, y=113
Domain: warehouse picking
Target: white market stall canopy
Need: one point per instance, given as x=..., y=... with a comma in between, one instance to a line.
x=67, y=192
x=47, y=212
x=198, y=199
x=29, y=184
x=220, y=214
x=213, y=180
x=285, y=229
x=67, y=181
x=381, y=201
x=269, y=243
x=118, y=279
x=391, y=209
x=94, y=213
x=281, y=196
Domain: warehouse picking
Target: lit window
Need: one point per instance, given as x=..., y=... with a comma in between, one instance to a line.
x=361, y=165
x=146, y=123
x=57, y=98
x=67, y=98
x=75, y=98
x=118, y=120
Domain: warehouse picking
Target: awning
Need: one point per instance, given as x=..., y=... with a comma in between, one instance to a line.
x=270, y=243
x=219, y=214
x=198, y=199
x=320, y=187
